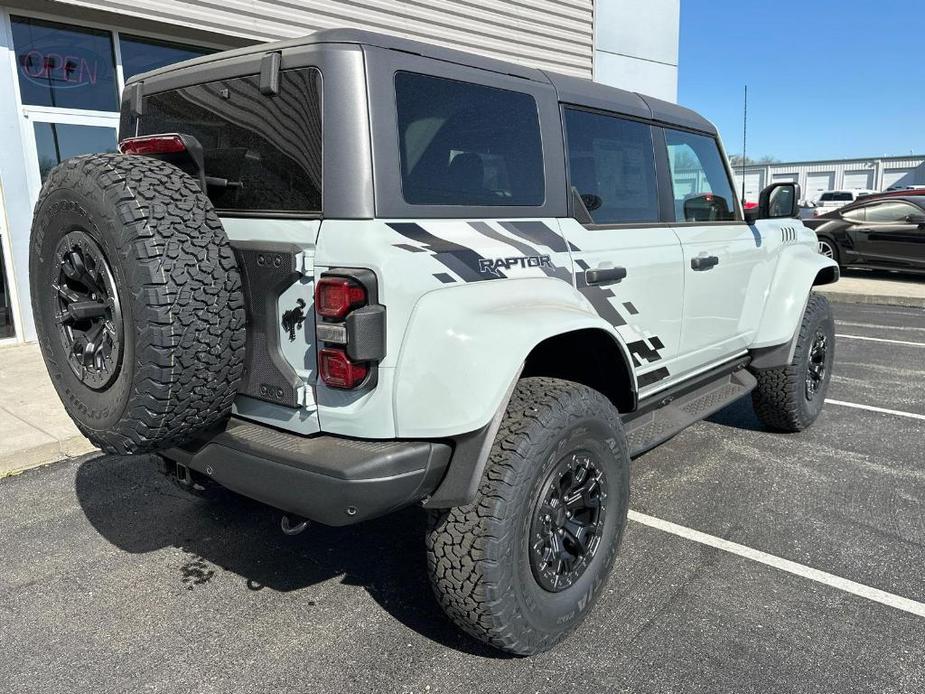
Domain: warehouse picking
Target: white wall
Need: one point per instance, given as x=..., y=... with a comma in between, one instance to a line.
x=636, y=45
x=555, y=34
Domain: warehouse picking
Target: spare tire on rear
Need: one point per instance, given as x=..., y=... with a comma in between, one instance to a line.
x=137, y=301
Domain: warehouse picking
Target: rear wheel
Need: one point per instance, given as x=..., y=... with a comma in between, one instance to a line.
x=521, y=566
x=790, y=398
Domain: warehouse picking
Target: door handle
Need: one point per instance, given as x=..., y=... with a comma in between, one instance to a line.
x=608, y=275
x=704, y=262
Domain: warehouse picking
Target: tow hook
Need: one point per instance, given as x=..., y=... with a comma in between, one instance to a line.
x=292, y=526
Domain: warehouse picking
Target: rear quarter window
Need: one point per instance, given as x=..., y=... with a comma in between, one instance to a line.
x=467, y=144
x=262, y=153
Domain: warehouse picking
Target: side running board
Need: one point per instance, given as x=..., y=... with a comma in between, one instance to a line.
x=656, y=422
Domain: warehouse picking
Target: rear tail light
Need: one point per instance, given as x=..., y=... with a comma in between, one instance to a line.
x=336, y=296
x=153, y=144
x=338, y=370
x=351, y=327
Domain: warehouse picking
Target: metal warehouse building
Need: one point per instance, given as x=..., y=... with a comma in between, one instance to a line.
x=815, y=177
x=65, y=62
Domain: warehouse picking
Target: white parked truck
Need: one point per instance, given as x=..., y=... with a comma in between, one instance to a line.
x=349, y=273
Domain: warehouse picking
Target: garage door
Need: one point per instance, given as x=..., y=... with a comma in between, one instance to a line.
x=892, y=177
x=859, y=180
x=754, y=182
x=818, y=182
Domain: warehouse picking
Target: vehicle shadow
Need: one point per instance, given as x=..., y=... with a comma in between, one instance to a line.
x=136, y=508
x=739, y=415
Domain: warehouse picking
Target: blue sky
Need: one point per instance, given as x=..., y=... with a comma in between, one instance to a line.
x=826, y=79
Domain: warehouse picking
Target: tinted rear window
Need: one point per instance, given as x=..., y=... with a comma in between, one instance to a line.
x=268, y=148
x=612, y=166
x=467, y=144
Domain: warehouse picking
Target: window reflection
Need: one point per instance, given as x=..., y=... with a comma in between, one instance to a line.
x=64, y=66
x=141, y=55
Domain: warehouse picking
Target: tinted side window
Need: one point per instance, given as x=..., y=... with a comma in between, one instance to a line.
x=612, y=165
x=467, y=144
x=855, y=215
x=702, y=191
x=890, y=212
x=843, y=197
x=263, y=151
x=827, y=197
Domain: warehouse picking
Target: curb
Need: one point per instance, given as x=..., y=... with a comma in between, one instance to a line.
x=876, y=299
x=51, y=452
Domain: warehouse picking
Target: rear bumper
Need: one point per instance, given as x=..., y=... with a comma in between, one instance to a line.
x=329, y=479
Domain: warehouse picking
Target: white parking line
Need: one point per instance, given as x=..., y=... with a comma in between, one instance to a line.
x=859, y=589
x=881, y=339
x=872, y=326
x=871, y=408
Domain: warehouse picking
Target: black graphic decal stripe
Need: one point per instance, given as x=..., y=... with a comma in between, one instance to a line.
x=628, y=305
x=538, y=232
x=640, y=349
x=600, y=300
x=484, y=228
x=647, y=379
x=597, y=296
x=461, y=260
x=445, y=278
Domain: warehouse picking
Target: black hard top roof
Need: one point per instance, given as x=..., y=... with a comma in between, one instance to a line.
x=573, y=90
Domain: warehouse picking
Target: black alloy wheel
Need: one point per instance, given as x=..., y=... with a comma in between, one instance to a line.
x=816, y=364
x=568, y=521
x=89, y=315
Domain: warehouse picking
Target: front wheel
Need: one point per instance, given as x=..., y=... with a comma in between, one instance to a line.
x=790, y=398
x=829, y=249
x=520, y=567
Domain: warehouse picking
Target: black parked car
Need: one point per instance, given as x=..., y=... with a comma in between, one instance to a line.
x=883, y=232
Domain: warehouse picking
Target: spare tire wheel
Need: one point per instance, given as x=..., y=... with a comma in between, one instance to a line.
x=137, y=301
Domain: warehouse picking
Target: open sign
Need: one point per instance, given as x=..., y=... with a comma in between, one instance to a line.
x=60, y=70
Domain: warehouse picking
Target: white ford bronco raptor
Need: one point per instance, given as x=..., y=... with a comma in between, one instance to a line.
x=350, y=273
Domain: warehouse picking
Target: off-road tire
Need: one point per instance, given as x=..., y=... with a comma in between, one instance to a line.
x=781, y=399
x=179, y=292
x=478, y=554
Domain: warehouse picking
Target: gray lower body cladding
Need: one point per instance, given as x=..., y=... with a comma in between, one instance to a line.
x=329, y=479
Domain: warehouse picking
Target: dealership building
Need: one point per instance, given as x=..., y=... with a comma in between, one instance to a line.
x=815, y=177
x=64, y=63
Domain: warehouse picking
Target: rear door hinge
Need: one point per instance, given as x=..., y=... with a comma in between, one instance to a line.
x=305, y=263
x=304, y=396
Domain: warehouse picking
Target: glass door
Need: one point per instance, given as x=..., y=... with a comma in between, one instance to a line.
x=7, y=325
x=55, y=142
x=60, y=136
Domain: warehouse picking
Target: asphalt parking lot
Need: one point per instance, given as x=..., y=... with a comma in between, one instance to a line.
x=113, y=580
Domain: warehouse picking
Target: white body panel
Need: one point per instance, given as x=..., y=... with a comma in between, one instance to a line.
x=646, y=307
x=458, y=332
x=722, y=305
x=465, y=345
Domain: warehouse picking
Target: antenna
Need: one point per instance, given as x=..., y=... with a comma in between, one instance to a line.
x=744, y=140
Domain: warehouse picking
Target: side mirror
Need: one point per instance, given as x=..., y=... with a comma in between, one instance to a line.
x=916, y=218
x=777, y=201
